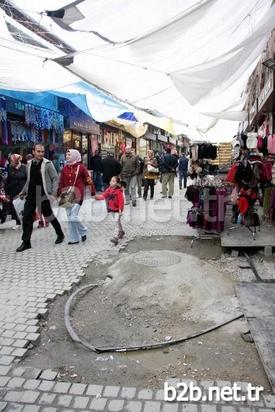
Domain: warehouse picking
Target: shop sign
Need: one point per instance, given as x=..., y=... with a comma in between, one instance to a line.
x=172, y=141
x=162, y=138
x=180, y=143
x=150, y=136
x=85, y=126
x=266, y=92
x=252, y=111
x=15, y=106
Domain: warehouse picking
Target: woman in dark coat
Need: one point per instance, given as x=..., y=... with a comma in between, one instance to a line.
x=16, y=179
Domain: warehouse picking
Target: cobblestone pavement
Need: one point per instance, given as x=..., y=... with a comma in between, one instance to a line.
x=30, y=280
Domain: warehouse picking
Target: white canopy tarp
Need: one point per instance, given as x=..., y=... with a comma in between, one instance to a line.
x=179, y=58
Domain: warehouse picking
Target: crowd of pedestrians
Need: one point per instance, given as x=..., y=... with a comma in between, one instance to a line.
x=117, y=182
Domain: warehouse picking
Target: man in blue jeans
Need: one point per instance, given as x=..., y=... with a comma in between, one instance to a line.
x=183, y=168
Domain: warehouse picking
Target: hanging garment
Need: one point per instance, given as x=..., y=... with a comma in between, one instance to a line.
x=271, y=144
x=252, y=141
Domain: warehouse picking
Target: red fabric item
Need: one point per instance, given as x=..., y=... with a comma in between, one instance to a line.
x=266, y=172
x=230, y=177
x=243, y=205
x=114, y=199
x=67, y=179
x=260, y=142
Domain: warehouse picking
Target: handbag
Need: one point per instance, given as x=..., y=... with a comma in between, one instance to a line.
x=152, y=169
x=67, y=198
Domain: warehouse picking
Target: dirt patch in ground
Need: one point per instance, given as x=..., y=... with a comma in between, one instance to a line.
x=221, y=354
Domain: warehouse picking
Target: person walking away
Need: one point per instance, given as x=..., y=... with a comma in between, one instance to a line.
x=169, y=164
x=129, y=170
x=110, y=167
x=150, y=174
x=114, y=198
x=183, y=168
x=76, y=175
x=96, y=167
x=39, y=189
x=16, y=180
x=140, y=176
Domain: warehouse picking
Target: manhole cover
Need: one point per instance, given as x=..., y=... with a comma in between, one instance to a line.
x=155, y=261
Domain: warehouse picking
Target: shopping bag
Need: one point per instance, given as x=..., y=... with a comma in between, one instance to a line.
x=19, y=207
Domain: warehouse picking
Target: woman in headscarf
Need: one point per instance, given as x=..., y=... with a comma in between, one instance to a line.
x=16, y=179
x=74, y=174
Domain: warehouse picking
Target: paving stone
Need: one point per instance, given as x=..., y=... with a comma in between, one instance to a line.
x=32, y=373
x=4, y=370
x=145, y=394
x=116, y=405
x=29, y=396
x=19, y=353
x=111, y=391
x=48, y=375
x=80, y=402
x=13, y=396
x=170, y=407
x=6, y=350
x=159, y=396
x=94, y=390
x=49, y=409
x=2, y=406
x=14, y=407
x=16, y=382
x=133, y=406
x=18, y=371
x=77, y=389
x=62, y=387
x=3, y=381
x=47, y=398
x=269, y=401
x=209, y=408
x=20, y=343
x=98, y=404
x=46, y=386
x=189, y=408
x=6, y=360
x=31, y=384
x=64, y=400
x=128, y=393
x=31, y=408
x=151, y=406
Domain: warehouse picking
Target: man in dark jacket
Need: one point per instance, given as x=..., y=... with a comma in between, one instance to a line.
x=168, y=166
x=40, y=187
x=110, y=167
x=130, y=169
x=96, y=167
x=183, y=168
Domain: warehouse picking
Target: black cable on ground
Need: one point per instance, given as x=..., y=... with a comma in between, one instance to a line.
x=87, y=344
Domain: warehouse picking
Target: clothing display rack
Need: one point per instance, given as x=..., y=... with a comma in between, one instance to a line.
x=209, y=198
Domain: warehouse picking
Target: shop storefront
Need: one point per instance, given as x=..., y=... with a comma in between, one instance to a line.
x=162, y=142
x=23, y=124
x=81, y=131
x=111, y=140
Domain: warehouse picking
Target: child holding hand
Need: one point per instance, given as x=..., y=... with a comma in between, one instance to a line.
x=114, y=198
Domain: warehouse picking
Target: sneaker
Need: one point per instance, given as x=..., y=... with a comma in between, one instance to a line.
x=16, y=227
x=84, y=238
x=163, y=197
x=134, y=203
x=114, y=240
x=169, y=197
x=121, y=234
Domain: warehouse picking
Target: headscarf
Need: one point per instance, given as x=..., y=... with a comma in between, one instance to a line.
x=75, y=156
x=16, y=160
